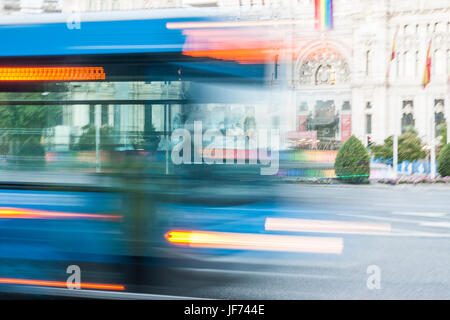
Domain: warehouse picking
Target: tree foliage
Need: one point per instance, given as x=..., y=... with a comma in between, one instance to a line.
x=442, y=131
x=352, y=162
x=23, y=126
x=87, y=139
x=410, y=148
x=444, y=161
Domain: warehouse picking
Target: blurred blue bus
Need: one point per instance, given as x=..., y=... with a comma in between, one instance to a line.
x=88, y=106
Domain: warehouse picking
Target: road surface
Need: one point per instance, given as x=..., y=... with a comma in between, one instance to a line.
x=408, y=258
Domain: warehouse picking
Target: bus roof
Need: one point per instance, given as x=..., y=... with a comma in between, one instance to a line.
x=187, y=12
x=116, y=32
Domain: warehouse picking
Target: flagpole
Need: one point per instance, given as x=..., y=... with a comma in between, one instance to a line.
x=395, y=160
x=433, y=149
x=448, y=108
x=426, y=81
x=396, y=118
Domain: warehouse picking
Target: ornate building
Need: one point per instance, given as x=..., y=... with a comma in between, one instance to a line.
x=337, y=79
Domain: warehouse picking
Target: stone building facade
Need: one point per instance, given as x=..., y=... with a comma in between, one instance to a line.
x=337, y=79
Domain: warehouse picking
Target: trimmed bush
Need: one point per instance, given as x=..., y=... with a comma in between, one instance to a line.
x=352, y=163
x=444, y=161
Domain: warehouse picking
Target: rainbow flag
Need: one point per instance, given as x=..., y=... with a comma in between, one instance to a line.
x=324, y=14
x=427, y=72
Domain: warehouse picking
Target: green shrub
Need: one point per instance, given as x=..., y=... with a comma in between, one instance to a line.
x=444, y=161
x=352, y=163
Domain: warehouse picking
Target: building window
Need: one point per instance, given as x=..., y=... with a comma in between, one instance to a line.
x=346, y=105
x=104, y=115
x=368, y=62
x=325, y=120
x=303, y=107
x=439, y=116
x=408, y=121
x=368, y=124
x=92, y=114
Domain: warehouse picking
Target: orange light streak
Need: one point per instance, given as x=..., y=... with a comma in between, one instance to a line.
x=51, y=73
x=250, y=241
x=61, y=284
x=19, y=213
x=240, y=45
x=245, y=56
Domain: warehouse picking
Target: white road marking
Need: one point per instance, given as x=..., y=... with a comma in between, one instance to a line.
x=262, y=273
x=442, y=224
x=326, y=226
x=418, y=234
x=383, y=218
x=420, y=214
x=396, y=232
x=264, y=210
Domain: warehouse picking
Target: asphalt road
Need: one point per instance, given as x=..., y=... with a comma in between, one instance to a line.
x=411, y=260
